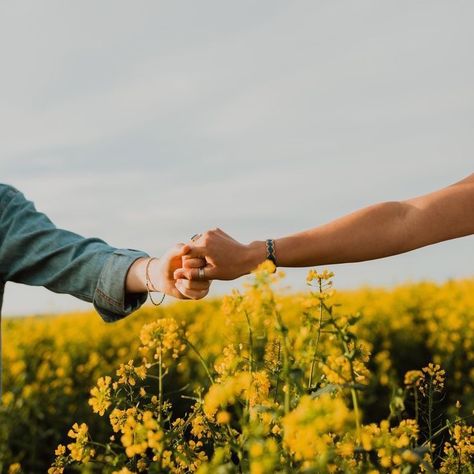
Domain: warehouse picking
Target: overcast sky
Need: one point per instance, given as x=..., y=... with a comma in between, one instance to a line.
x=145, y=122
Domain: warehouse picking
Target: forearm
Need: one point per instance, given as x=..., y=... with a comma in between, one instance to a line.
x=35, y=252
x=366, y=234
x=370, y=233
x=135, y=279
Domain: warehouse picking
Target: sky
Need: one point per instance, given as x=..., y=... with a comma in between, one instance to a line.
x=143, y=123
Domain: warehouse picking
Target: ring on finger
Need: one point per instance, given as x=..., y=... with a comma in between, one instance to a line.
x=195, y=237
x=201, y=273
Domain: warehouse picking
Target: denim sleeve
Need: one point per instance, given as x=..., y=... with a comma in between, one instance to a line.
x=34, y=252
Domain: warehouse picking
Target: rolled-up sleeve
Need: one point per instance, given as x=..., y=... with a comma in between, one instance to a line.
x=34, y=251
x=110, y=299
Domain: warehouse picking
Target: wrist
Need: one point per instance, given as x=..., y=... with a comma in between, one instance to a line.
x=255, y=254
x=153, y=275
x=135, y=281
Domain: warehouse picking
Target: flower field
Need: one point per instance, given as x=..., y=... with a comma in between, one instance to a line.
x=260, y=382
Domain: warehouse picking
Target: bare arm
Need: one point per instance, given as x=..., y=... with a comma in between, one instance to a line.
x=376, y=231
x=384, y=229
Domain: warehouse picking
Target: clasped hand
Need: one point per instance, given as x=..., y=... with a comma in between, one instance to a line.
x=215, y=255
x=187, y=270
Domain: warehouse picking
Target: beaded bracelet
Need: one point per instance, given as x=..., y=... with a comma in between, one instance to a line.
x=149, y=285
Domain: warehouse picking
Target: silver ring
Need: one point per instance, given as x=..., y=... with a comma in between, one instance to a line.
x=195, y=237
x=201, y=273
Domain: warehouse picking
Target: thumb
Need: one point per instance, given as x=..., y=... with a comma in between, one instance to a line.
x=178, y=250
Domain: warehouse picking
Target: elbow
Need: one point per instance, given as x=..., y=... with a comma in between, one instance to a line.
x=402, y=215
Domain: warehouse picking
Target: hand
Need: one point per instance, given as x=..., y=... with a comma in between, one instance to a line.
x=162, y=276
x=225, y=257
x=161, y=272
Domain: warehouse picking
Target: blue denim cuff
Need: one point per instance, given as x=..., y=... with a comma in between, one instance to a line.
x=110, y=299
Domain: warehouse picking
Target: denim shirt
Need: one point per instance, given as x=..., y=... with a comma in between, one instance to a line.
x=34, y=252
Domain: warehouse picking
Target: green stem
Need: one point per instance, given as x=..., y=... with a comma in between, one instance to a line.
x=251, y=362
x=313, y=362
x=417, y=414
x=104, y=446
x=286, y=361
x=355, y=400
x=444, y=428
x=430, y=409
x=203, y=362
x=160, y=387
x=277, y=383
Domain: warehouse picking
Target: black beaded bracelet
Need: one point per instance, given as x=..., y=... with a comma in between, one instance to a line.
x=270, y=243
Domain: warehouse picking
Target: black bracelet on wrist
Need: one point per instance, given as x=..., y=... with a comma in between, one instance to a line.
x=270, y=244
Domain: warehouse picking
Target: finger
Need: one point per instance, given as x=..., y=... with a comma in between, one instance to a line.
x=185, y=249
x=192, y=294
x=177, y=251
x=189, y=262
x=179, y=274
x=193, y=284
x=195, y=251
x=193, y=273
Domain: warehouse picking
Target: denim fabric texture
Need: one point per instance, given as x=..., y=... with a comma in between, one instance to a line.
x=33, y=251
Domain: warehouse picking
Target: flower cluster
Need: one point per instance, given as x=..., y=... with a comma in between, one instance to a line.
x=80, y=449
x=160, y=339
x=459, y=452
x=101, y=396
x=310, y=429
x=433, y=379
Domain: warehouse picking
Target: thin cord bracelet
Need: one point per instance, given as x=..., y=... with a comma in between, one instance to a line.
x=149, y=285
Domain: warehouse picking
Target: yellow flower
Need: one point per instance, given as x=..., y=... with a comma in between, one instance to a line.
x=223, y=417
x=227, y=363
x=412, y=376
x=14, y=468
x=433, y=379
x=119, y=417
x=128, y=373
x=307, y=429
x=60, y=450
x=338, y=370
x=80, y=451
x=100, y=399
x=273, y=355
x=410, y=457
x=56, y=470
x=139, y=435
x=459, y=450
x=267, y=267
x=263, y=456
x=345, y=449
x=313, y=274
x=161, y=338
x=259, y=388
x=222, y=394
